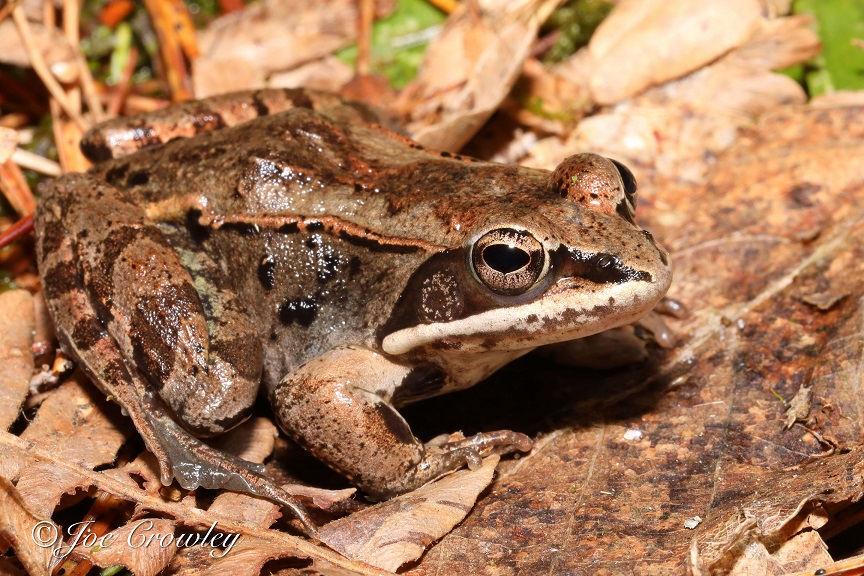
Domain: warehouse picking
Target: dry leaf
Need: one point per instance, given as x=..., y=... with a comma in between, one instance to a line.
x=644, y=43
x=31, y=537
x=469, y=69
x=144, y=547
x=805, y=551
x=399, y=530
x=50, y=41
x=676, y=130
x=257, y=546
x=242, y=49
x=75, y=426
x=17, y=322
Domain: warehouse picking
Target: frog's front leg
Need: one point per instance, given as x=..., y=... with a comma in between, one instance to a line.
x=337, y=406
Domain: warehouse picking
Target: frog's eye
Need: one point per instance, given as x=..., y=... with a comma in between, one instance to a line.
x=508, y=261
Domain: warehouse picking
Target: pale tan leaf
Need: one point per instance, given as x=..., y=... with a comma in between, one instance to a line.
x=399, y=530
x=25, y=531
x=253, y=440
x=328, y=73
x=50, y=41
x=144, y=467
x=469, y=69
x=742, y=82
x=17, y=322
x=246, y=555
x=803, y=552
x=677, y=129
x=144, y=546
x=645, y=43
x=241, y=50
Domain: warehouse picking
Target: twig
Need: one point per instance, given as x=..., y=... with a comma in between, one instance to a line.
x=42, y=69
x=31, y=161
x=72, y=32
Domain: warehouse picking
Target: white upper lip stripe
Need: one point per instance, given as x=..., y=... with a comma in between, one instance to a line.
x=632, y=300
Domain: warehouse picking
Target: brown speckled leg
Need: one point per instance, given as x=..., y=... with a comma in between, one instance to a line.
x=336, y=407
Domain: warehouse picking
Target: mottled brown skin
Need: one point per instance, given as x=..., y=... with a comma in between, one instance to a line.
x=343, y=265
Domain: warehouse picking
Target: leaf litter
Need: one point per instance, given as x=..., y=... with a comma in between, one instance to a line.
x=758, y=198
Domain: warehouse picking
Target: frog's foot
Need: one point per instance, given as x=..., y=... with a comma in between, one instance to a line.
x=337, y=407
x=195, y=464
x=473, y=449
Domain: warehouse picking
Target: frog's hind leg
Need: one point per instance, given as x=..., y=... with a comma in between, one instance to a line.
x=79, y=298
x=337, y=407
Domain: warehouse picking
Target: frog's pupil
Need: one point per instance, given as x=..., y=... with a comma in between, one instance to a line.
x=505, y=258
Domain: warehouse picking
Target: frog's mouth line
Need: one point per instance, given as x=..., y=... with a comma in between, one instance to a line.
x=565, y=314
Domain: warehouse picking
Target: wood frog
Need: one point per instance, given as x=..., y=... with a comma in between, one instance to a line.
x=288, y=238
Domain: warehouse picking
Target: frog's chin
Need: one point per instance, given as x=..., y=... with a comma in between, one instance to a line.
x=558, y=317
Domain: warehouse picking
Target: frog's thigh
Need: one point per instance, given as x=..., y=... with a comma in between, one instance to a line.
x=186, y=335
x=337, y=407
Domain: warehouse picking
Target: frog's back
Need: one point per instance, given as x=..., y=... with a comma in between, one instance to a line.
x=318, y=223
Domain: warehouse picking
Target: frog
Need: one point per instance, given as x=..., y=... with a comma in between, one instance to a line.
x=293, y=243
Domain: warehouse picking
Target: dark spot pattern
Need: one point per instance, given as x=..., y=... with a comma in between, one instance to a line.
x=267, y=272
x=302, y=312
x=197, y=231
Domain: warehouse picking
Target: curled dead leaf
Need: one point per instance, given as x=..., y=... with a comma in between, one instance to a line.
x=399, y=530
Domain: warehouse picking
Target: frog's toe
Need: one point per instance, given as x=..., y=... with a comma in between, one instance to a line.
x=500, y=442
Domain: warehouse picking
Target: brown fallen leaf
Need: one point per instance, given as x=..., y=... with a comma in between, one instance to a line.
x=77, y=427
x=32, y=537
x=17, y=321
x=144, y=547
x=257, y=546
x=51, y=43
x=243, y=49
x=798, y=553
x=632, y=49
x=469, y=69
x=399, y=530
x=676, y=130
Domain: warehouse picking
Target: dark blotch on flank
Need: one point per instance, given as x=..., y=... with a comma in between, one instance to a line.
x=328, y=268
x=198, y=232
x=300, y=312
x=289, y=228
x=299, y=98
x=138, y=178
x=244, y=228
x=354, y=266
x=267, y=272
x=261, y=108
x=117, y=174
x=86, y=333
x=63, y=278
